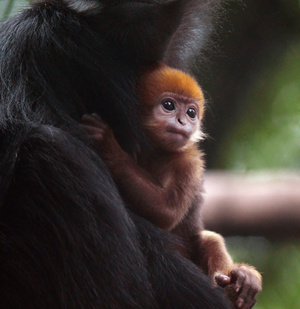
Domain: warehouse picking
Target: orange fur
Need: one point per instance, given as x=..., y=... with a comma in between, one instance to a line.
x=166, y=79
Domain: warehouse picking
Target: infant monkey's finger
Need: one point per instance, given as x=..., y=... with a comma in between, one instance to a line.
x=222, y=279
x=93, y=132
x=238, y=277
x=93, y=120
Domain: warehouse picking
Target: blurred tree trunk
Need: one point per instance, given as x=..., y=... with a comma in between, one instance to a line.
x=259, y=204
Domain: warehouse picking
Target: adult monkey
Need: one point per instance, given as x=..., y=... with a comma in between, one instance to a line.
x=66, y=239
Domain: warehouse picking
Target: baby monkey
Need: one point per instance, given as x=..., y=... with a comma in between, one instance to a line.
x=164, y=184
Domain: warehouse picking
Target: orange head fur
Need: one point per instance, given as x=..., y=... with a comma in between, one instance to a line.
x=166, y=79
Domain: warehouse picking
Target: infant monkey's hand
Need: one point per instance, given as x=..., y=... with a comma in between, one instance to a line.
x=242, y=284
x=101, y=133
x=96, y=128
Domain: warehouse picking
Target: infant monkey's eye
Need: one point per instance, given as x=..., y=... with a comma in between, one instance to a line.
x=168, y=105
x=191, y=113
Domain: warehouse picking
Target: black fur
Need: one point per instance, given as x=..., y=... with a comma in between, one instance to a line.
x=66, y=239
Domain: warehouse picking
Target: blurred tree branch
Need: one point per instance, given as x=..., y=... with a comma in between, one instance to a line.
x=259, y=204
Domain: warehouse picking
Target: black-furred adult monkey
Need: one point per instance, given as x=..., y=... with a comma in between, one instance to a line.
x=66, y=240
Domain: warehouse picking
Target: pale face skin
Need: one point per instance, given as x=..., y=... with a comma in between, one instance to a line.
x=177, y=117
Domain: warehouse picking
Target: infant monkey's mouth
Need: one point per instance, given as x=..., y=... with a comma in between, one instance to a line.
x=178, y=131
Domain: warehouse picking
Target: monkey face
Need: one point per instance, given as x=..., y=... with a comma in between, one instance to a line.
x=174, y=121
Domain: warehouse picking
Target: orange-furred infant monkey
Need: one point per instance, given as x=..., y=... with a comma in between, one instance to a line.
x=164, y=185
